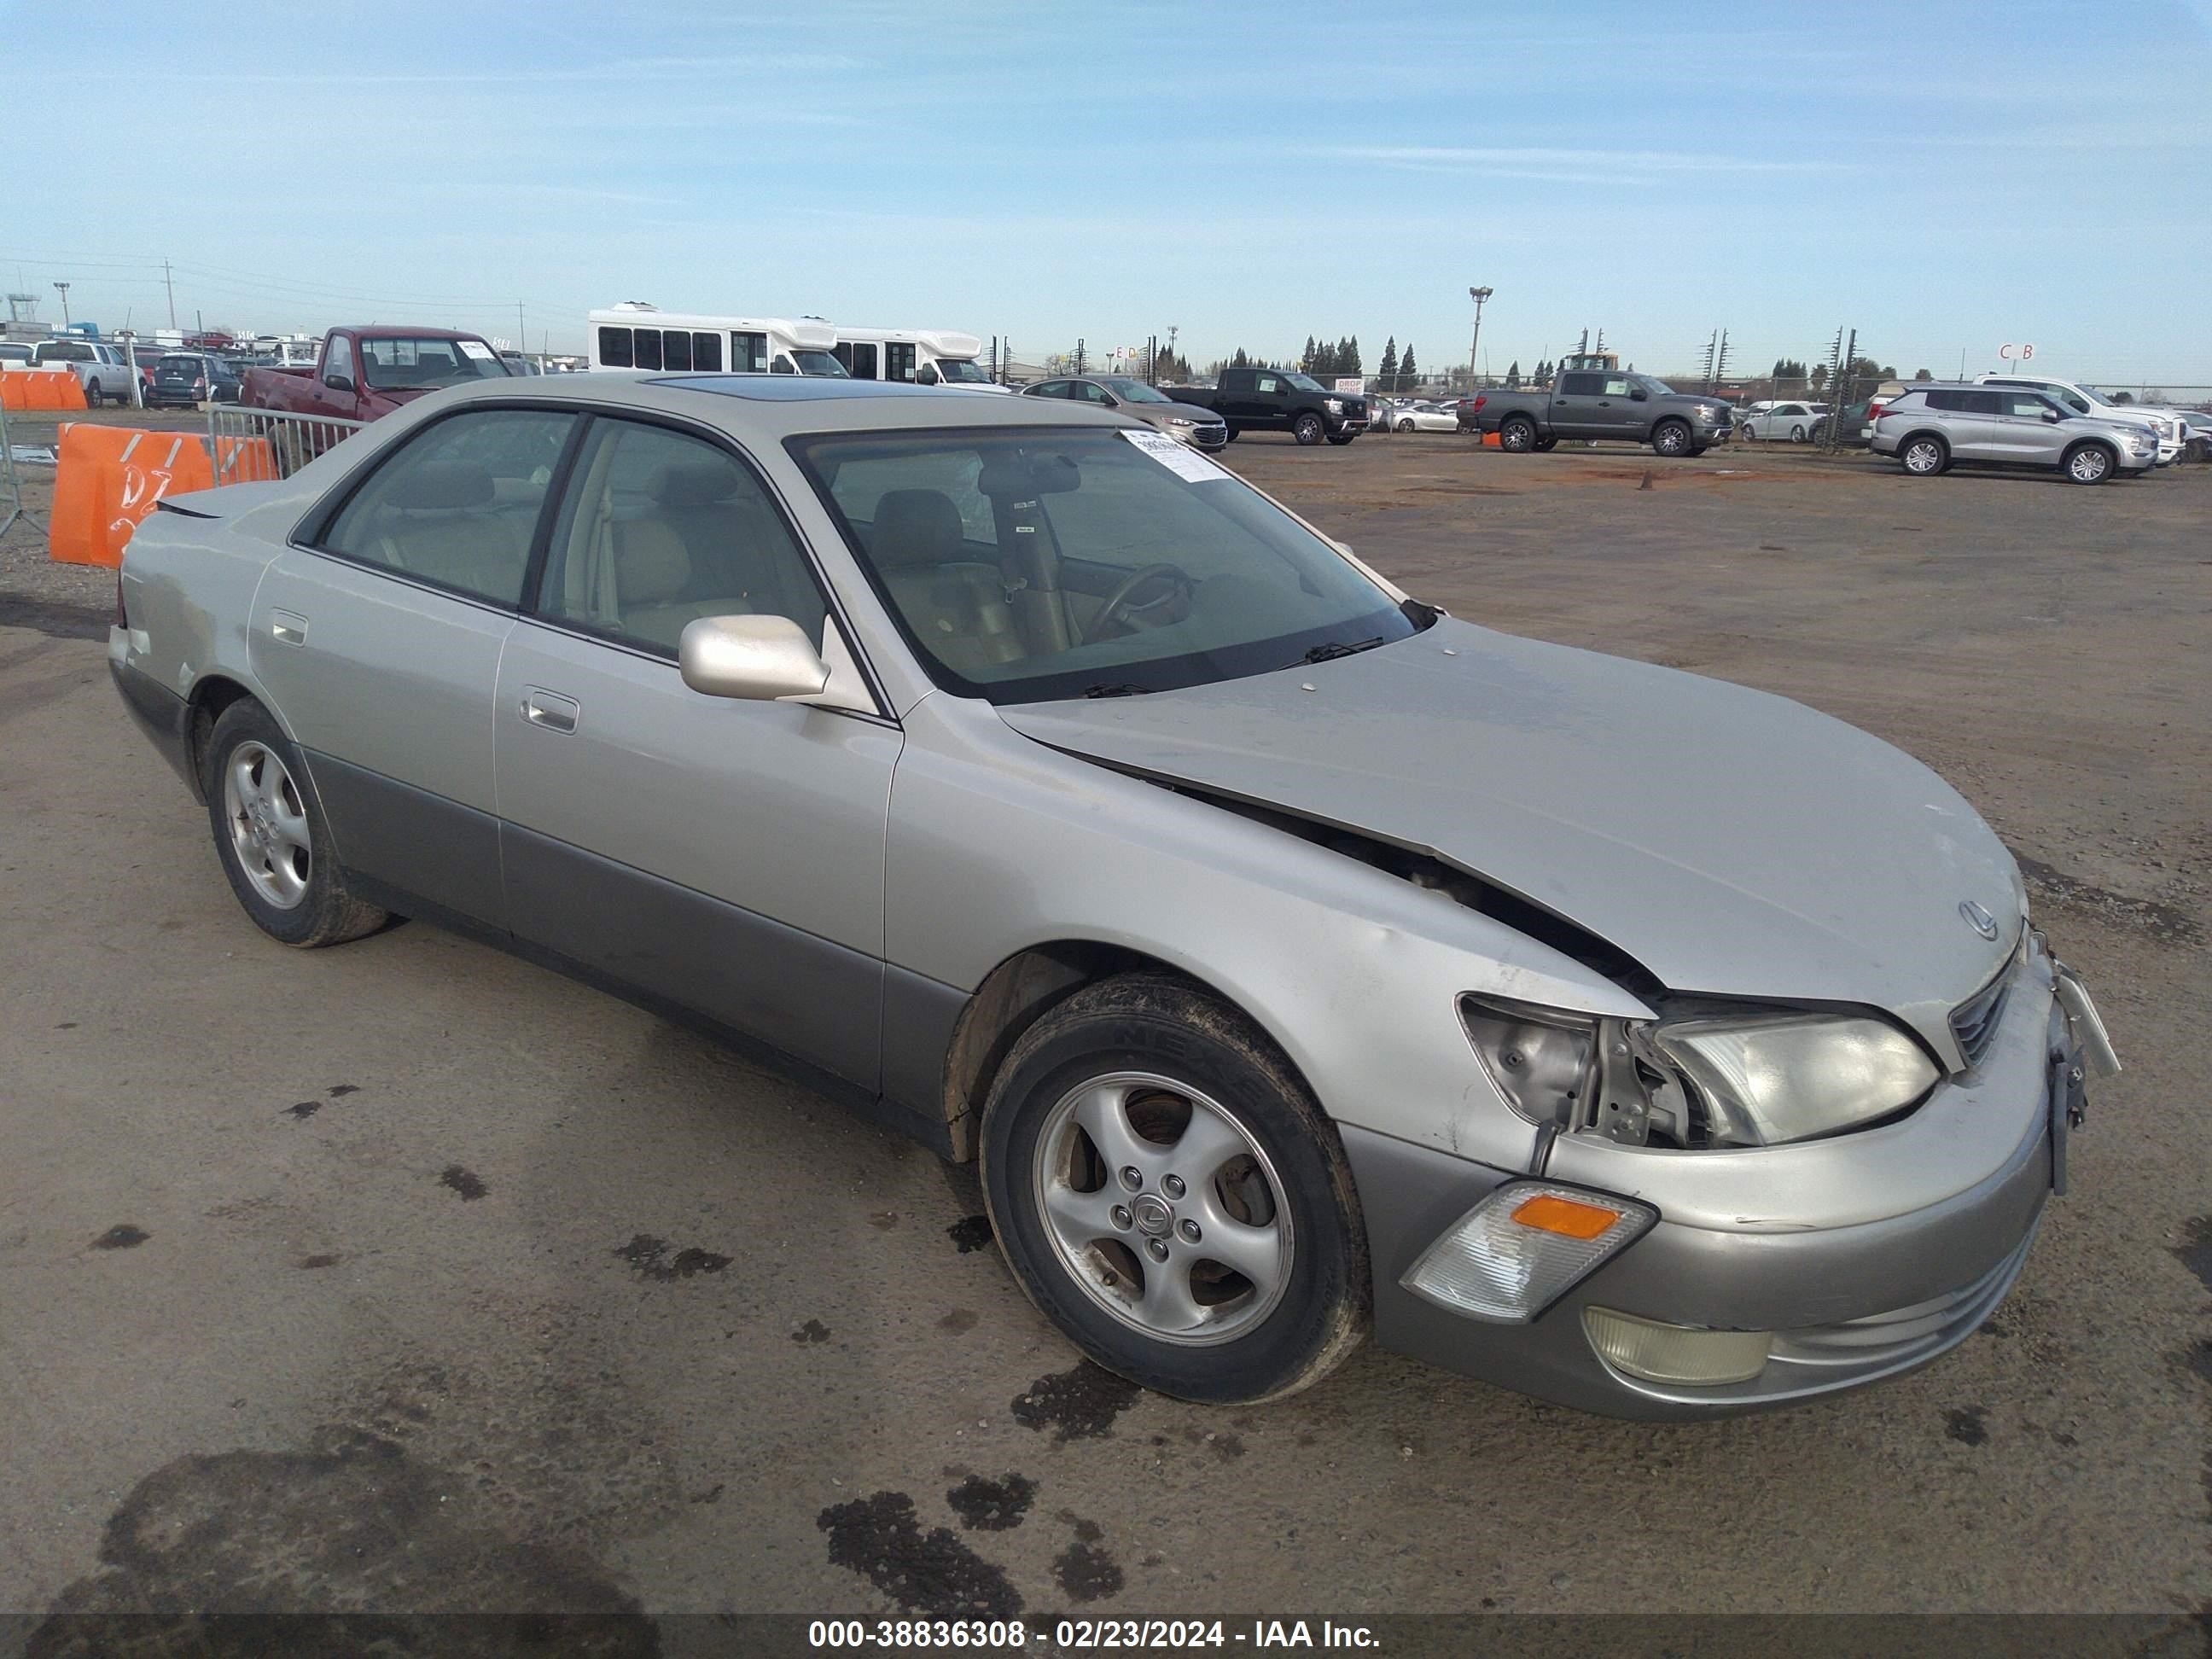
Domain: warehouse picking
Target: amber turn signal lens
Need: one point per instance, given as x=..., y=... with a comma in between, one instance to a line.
x=1552, y=1214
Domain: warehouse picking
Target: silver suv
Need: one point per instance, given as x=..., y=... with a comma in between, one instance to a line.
x=1932, y=425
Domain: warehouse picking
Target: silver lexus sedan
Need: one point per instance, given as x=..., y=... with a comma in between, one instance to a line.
x=1295, y=960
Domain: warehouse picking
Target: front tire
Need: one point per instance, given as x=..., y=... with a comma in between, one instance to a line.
x=1671, y=438
x=1796, y=434
x=1308, y=429
x=271, y=837
x=2089, y=464
x=1168, y=1194
x=1518, y=435
x=1341, y=439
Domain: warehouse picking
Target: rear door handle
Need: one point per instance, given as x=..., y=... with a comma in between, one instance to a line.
x=288, y=626
x=550, y=709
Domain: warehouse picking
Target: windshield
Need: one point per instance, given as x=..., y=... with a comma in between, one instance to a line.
x=1656, y=388
x=398, y=364
x=963, y=371
x=1305, y=382
x=1135, y=391
x=821, y=364
x=1027, y=565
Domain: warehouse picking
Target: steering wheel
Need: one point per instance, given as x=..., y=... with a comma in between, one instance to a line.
x=1117, y=607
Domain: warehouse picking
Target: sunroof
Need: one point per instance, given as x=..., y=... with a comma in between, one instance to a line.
x=792, y=388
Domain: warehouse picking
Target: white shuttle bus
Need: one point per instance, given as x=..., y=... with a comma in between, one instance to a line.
x=636, y=335
x=926, y=356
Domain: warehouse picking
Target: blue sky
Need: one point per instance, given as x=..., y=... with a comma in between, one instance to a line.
x=1944, y=177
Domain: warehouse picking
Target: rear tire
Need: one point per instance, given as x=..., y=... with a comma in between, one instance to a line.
x=1925, y=456
x=2088, y=463
x=1308, y=429
x=92, y=394
x=1671, y=438
x=270, y=836
x=1517, y=435
x=1152, y=1062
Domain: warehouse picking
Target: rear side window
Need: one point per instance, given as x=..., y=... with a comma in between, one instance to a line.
x=458, y=504
x=1581, y=386
x=614, y=347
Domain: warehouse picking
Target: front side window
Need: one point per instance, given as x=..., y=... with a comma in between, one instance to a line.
x=1028, y=565
x=1617, y=388
x=660, y=529
x=400, y=364
x=1267, y=383
x=338, y=357
x=2026, y=405
x=458, y=504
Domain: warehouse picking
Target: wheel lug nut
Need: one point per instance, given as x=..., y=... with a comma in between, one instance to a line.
x=1156, y=1249
x=1174, y=1186
x=1189, y=1232
x=1132, y=1177
x=1122, y=1218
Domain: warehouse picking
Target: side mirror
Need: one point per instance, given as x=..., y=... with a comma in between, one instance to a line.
x=754, y=659
x=338, y=382
x=926, y=375
x=2050, y=417
x=1639, y=397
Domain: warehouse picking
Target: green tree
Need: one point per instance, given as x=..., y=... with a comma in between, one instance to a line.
x=1348, y=359
x=1922, y=374
x=1240, y=361
x=1310, y=357
x=1513, y=375
x=1390, y=368
x=1409, y=373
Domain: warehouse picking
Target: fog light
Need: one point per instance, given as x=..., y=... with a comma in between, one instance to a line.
x=1523, y=1248
x=1676, y=1353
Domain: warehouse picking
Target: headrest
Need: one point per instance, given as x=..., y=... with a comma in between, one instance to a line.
x=651, y=567
x=443, y=483
x=916, y=526
x=693, y=483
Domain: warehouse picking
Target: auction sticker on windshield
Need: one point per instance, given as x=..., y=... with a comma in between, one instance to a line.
x=1183, y=462
x=477, y=350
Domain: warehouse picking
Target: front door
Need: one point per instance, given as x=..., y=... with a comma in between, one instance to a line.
x=724, y=856
x=2026, y=428
x=379, y=646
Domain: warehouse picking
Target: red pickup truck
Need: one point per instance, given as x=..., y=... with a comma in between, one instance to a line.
x=366, y=373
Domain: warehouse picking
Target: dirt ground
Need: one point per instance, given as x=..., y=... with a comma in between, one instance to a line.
x=406, y=1275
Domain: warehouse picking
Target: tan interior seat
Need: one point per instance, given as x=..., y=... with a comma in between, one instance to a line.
x=652, y=579
x=442, y=522
x=955, y=603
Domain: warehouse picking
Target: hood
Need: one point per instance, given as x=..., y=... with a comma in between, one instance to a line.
x=1732, y=842
x=1158, y=412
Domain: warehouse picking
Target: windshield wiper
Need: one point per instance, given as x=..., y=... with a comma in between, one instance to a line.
x=1335, y=649
x=1116, y=690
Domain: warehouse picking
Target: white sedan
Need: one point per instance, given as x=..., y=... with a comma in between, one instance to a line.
x=1422, y=418
x=1795, y=421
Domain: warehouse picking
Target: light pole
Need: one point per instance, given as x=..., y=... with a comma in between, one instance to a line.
x=65, y=289
x=1474, y=349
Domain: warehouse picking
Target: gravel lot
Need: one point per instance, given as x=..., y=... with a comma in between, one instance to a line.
x=405, y=1275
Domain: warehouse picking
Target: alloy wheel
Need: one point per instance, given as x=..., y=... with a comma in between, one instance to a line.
x=1163, y=1207
x=267, y=825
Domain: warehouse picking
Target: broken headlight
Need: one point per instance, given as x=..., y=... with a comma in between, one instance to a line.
x=1706, y=1081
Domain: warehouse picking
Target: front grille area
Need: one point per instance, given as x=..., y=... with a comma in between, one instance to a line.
x=1975, y=1021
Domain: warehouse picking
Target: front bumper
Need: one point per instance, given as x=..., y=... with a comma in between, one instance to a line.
x=1848, y=1304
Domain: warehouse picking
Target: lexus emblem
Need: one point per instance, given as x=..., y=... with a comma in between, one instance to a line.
x=1979, y=919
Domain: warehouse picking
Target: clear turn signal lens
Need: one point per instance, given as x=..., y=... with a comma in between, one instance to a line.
x=1683, y=1354
x=1524, y=1246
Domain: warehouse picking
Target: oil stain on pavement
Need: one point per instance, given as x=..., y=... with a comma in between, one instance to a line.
x=932, y=1573
x=987, y=1505
x=1076, y=1405
x=322, y=1538
x=971, y=1232
x=463, y=1181
x=123, y=1237
x=651, y=1257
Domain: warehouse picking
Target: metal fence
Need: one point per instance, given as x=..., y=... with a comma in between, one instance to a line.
x=246, y=445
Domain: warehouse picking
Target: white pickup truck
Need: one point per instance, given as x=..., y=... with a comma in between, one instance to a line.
x=103, y=370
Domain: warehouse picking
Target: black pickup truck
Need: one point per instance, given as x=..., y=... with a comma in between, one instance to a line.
x=1280, y=400
x=1602, y=404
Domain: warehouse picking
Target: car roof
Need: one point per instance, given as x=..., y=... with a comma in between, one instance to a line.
x=766, y=408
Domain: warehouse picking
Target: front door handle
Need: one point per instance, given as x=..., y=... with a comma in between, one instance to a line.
x=288, y=626
x=550, y=709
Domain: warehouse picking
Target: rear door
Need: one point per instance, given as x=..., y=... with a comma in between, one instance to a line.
x=378, y=642
x=1969, y=422
x=724, y=856
x=1575, y=405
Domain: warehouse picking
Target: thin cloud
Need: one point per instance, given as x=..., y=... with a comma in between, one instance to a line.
x=1576, y=165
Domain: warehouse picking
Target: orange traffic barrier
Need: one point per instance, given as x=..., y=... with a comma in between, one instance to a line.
x=109, y=477
x=40, y=388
